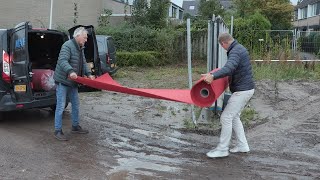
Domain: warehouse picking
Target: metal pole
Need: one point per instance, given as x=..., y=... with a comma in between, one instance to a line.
x=50, y=23
x=231, y=28
x=209, y=47
x=189, y=67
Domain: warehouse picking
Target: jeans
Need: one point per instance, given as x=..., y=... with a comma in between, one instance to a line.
x=62, y=92
x=230, y=119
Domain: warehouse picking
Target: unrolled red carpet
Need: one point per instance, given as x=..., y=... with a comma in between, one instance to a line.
x=201, y=94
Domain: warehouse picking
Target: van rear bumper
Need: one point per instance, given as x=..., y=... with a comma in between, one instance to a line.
x=6, y=103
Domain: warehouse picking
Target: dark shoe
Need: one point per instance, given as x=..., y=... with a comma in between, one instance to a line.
x=58, y=134
x=78, y=130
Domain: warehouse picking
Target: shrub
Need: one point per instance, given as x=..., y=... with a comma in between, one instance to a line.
x=141, y=38
x=140, y=58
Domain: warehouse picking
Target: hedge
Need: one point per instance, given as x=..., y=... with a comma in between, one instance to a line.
x=140, y=58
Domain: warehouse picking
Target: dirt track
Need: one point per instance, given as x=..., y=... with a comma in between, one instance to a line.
x=138, y=138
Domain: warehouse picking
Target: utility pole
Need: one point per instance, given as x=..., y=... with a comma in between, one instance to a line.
x=50, y=22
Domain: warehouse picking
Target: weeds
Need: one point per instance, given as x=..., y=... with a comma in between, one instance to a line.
x=247, y=115
x=188, y=124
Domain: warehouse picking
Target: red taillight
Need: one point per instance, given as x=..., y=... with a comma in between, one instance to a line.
x=6, y=67
x=108, y=59
x=19, y=106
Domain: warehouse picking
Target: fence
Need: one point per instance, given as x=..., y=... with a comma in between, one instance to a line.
x=199, y=46
x=284, y=45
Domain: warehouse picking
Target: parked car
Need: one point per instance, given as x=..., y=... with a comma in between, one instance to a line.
x=26, y=51
x=107, y=54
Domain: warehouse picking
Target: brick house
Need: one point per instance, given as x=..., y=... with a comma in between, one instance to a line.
x=38, y=12
x=65, y=12
x=307, y=15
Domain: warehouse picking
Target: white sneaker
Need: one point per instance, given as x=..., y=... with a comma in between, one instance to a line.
x=217, y=153
x=240, y=149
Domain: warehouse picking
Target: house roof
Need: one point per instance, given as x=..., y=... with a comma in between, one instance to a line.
x=226, y=3
x=186, y=6
x=187, y=3
x=305, y=3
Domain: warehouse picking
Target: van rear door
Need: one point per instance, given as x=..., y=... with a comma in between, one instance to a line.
x=91, y=48
x=20, y=69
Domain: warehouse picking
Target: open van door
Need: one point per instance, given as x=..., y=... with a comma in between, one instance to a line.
x=90, y=50
x=19, y=57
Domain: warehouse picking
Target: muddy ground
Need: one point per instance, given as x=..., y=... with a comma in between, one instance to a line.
x=140, y=138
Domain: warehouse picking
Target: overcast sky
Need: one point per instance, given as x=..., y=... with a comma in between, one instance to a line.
x=179, y=2
x=294, y=2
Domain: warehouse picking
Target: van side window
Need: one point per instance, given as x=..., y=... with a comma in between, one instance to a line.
x=111, y=46
x=101, y=44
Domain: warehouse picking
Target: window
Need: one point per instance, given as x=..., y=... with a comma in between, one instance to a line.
x=180, y=14
x=191, y=7
x=318, y=8
x=312, y=10
x=302, y=13
x=174, y=12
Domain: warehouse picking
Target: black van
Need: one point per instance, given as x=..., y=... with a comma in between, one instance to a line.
x=25, y=50
x=107, y=54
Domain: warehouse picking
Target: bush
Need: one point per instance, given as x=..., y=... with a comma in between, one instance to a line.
x=141, y=38
x=140, y=58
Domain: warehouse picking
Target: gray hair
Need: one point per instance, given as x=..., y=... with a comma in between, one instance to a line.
x=79, y=31
x=225, y=37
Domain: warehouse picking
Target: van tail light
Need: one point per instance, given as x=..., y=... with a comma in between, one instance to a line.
x=108, y=59
x=6, y=67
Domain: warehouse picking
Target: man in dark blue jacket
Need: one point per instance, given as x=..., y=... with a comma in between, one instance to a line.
x=238, y=69
x=71, y=64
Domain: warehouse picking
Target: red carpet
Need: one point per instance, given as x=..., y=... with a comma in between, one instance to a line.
x=201, y=94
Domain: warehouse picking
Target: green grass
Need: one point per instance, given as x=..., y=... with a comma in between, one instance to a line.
x=285, y=71
x=171, y=76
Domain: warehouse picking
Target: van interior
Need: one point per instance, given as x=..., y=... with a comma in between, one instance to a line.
x=44, y=48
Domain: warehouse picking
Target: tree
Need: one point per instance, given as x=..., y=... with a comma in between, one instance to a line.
x=248, y=30
x=209, y=7
x=139, y=12
x=246, y=8
x=103, y=19
x=158, y=13
x=278, y=12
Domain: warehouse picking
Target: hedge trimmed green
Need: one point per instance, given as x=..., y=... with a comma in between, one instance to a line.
x=140, y=58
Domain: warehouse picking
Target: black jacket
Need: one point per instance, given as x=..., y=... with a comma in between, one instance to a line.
x=238, y=68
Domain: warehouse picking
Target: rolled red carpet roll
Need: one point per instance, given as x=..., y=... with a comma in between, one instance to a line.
x=201, y=94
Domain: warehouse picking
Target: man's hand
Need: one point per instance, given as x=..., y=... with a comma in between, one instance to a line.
x=208, y=78
x=73, y=75
x=91, y=77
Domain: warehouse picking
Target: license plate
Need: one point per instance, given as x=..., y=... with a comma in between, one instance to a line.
x=20, y=88
x=90, y=65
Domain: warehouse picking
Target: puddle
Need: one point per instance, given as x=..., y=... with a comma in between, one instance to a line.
x=137, y=162
x=160, y=136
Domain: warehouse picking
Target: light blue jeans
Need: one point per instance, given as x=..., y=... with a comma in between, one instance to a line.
x=62, y=92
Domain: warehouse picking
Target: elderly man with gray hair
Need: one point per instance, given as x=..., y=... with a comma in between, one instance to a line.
x=71, y=64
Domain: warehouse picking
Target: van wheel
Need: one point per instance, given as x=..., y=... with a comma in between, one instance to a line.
x=3, y=115
x=53, y=108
